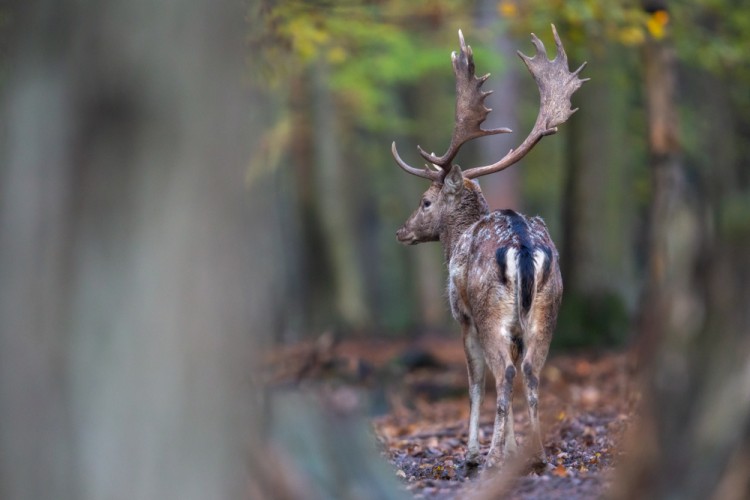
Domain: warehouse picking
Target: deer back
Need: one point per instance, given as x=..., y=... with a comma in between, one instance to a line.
x=499, y=264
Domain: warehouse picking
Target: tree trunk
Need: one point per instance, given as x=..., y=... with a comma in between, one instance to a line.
x=694, y=435
x=134, y=287
x=503, y=189
x=427, y=260
x=596, y=259
x=674, y=225
x=334, y=207
x=594, y=201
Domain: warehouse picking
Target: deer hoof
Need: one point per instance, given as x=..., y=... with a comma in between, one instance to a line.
x=473, y=458
x=494, y=459
x=538, y=463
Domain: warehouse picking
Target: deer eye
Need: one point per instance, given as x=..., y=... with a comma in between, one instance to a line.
x=426, y=203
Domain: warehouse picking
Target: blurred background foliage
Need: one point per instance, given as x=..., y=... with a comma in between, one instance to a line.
x=345, y=78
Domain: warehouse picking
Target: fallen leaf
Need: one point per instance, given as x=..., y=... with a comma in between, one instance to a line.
x=583, y=368
x=590, y=396
x=560, y=471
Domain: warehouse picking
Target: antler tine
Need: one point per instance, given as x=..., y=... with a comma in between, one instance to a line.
x=470, y=108
x=432, y=175
x=556, y=85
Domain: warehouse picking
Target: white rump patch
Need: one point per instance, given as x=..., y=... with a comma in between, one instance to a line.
x=511, y=265
x=540, y=259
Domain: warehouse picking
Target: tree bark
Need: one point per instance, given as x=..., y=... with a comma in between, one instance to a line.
x=674, y=225
x=134, y=288
x=503, y=189
x=595, y=206
x=334, y=208
x=693, y=440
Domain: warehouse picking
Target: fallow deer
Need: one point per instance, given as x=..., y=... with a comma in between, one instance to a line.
x=504, y=281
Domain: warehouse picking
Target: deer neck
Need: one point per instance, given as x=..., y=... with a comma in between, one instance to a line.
x=471, y=208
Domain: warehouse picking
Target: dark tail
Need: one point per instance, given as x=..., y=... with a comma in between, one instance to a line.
x=526, y=274
x=524, y=279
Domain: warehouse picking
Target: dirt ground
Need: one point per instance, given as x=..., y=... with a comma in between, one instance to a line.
x=587, y=402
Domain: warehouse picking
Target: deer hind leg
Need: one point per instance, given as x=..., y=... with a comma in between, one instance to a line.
x=476, y=367
x=510, y=434
x=500, y=362
x=537, y=346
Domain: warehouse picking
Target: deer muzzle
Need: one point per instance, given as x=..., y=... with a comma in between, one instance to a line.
x=406, y=236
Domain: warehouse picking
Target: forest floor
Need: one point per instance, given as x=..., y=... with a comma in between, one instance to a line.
x=587, y=402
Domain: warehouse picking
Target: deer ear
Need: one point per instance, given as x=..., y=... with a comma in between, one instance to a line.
x=454, y=181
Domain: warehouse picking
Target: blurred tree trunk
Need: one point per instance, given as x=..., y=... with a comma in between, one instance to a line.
x=503, y=189
x=597, y=213
x=584, y=194
x=694, y=346
x=594, y=226
x=675, y=232
x=394, y=280
x=297, y=206
x=433, y=309
x=334, y=208
x=135, y=284
x=427, y=261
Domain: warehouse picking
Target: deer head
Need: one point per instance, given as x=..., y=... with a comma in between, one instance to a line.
x=455, y=201
x=452, y=197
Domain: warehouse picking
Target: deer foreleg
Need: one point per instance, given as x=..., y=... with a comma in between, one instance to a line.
x=476, y=367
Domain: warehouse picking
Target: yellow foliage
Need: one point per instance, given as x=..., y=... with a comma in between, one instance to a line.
x=631, y=35
x=336, y=55
x=657, y=23
x=306, y=36
x=507, y=8
x=661, y=16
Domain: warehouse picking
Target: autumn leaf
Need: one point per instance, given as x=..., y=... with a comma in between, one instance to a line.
x=583, y=368
x=560, y=471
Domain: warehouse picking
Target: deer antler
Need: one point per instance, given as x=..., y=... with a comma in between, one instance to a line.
x=556, y=86
x=470, y=108
x=470, y=113
x=433, y=175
